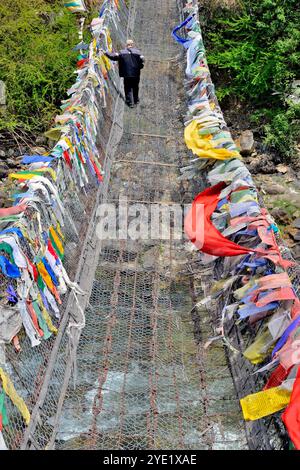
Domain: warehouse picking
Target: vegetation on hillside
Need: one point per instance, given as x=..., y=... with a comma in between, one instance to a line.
x=36, y=60
x=254, y=53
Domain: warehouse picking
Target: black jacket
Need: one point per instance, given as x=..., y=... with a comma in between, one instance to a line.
x=130, y=62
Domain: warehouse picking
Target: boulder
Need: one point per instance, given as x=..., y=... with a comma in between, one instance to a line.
x=3, y=199
x=297, y=236
x=274, y=188
x=4, y=170
x=23, y=150
x=281, y=216
x=4, y=165
x=11, y=163
x=3, y=173
x=41, y=140
x=38, y=150
x=296, y=223
x=246, y=142
x=292, y=232
x=282, y=168
x=11, y=152
x=296, y=251
x=262, y=164
x=2, y=154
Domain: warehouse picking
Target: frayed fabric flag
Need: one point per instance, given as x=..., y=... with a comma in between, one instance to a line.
x=76, y=6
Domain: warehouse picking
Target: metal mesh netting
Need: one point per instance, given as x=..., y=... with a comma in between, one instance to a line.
x=263, y=434
x=268, y=433
x=30, y=369
x=144, y=379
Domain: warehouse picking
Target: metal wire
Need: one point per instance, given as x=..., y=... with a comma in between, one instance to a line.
x=144, y=378
x=30, y=369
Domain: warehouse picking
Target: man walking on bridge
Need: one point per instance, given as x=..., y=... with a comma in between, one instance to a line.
x=131, y=63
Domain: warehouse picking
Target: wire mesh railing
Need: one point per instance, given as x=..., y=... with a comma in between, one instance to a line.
x=269, y=432
x=32, y=370
x=142, y=381
x=138, y=375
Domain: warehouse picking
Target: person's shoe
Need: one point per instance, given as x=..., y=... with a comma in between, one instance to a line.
x=131, y=105
x=137, y=102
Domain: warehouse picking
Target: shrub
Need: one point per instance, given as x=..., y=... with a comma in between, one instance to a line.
x=36, y=60
x=257, y=48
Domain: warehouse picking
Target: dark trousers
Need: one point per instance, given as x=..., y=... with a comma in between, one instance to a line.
x=131, y=87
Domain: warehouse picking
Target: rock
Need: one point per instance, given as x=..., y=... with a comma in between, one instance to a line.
x=296, y=251
x=2, y=154
x=4, y=170
x=246, y=142
x=41, y=140
x=293, y=232
x=11, y=163
x=281, y=216
x=262, y=164
x=297, y=236
x=23, y=150
x=5, y=202
x=274, y=188
x=3, y=165
x=290, y=243
x=11, y=152
x=296, y=223
x=38, y=150
x=282, y=168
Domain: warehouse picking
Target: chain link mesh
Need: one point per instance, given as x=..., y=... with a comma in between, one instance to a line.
x=144, y=379
x=30, y=368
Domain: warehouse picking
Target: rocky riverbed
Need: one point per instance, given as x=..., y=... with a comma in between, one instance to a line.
x=279, y=186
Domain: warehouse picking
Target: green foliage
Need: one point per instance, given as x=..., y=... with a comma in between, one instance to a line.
x=283, y=130
x=36, y=60
x=257, y=48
